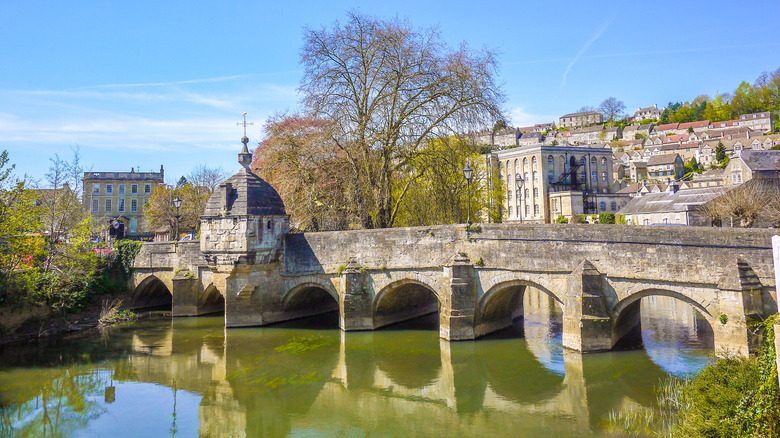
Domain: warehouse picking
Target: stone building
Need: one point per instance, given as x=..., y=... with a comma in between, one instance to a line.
x=573, y=120
x=665, y=166
x=762, y=122
x=751, y=164
x=557, y=181
x=117, y=199
x=670, y=207
x=648, y=113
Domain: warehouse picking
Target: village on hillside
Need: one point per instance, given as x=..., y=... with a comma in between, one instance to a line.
x=640, y=170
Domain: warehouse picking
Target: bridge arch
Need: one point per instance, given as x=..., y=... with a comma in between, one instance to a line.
x=503, y=303
x=404, y=299
x=626, y=326
x=211, y=300
x=151, y=292
x=309, y=296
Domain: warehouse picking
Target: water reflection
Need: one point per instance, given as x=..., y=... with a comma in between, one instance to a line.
x=191, y=376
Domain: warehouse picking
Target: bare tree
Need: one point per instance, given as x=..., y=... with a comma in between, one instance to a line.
x=209, y=177
x=746, y=203
x=388, y=89
x=612, y=109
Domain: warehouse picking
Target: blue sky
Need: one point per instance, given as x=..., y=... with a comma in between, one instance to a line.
x=144, y=83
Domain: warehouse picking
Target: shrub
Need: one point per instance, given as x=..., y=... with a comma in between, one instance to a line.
x=620, y=219
x=579, y=219
x=561, y=220
x=606, y=218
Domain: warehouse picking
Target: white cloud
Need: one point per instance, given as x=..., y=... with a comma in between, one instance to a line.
x=519, y=117
x=584, y=48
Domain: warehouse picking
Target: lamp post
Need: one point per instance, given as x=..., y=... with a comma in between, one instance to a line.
x=467, y=174
x=177, y=204
x=519, y=181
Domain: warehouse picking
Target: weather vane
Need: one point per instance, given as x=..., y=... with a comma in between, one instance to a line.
x=244, y=123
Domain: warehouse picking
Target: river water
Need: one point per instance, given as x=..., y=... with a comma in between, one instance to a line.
x=191, y=377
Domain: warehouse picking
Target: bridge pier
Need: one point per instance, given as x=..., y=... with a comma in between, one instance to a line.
x=587, y=326
x=458, y=307
x=186, y=288
x=355, y=306
x=739, y=302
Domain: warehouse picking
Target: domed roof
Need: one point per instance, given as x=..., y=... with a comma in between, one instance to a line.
x=245, y=194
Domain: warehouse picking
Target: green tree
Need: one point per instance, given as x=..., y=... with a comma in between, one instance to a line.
x=720, y=153
x=743, y=101
x=436, y=190
x=161, y=212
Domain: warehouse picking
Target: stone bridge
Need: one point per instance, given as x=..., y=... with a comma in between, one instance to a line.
x=476, y=279
x=249, y=264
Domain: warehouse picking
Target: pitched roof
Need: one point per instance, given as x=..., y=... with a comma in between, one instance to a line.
x=666, y=127
x=700, y=124
x=250, y=195
x=663, y=202
x=761, y=160
x=662, y=159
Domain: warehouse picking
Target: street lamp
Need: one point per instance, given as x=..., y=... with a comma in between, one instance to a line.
x=177, y=204
x=519, y=181
x=467, y=174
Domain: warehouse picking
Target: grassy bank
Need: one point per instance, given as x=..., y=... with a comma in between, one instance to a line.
x=731, y=397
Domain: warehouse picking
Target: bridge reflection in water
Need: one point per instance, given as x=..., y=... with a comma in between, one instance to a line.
x=305, y=379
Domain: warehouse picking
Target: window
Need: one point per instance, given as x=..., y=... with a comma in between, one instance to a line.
x=121, y=189
x=594, y=177
x=602, y=206
x=133, y=205
x=527, y=210
x=736, y=177
x=613, y=206
x=536, y=192
x=527, y=192
x=518, y=211
x=604, y=176
x=95, y=206
x=536, y=176
x=120, y=205
x=108, y=206
x=147, y=188
x=536, y=209
x=646, y=222
x=95, y=189
x=109, y=189
x=509, y=212
x=134, y=189
x=509, y=194
x=604, y=162
x=555, y=205
x=518, y=194
x=525, y=177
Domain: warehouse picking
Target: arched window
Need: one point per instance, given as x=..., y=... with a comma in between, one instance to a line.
x=536, y=192
x=594, y=177
x=527, y=210
x=525, y=165
x=526, y=193
x=500, y=171
x=604, y=177
x=592, y=162
x=525, y=177
x=561, y=164
x=536, y=176
x=646, y=222
x=602, y=206
x=613, y=206
x=534, y=162
x=517, y=164
x=603, y=162
x=550, y=168
x=518, y=211
x=536, y=209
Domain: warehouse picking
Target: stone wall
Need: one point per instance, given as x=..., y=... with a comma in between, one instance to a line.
x=696, y=255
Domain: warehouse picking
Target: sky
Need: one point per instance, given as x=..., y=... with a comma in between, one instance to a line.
x=148, y=83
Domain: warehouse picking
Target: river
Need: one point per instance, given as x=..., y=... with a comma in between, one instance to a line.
x=191, y=377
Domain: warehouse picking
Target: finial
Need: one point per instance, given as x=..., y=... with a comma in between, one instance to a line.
x=244, y=158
